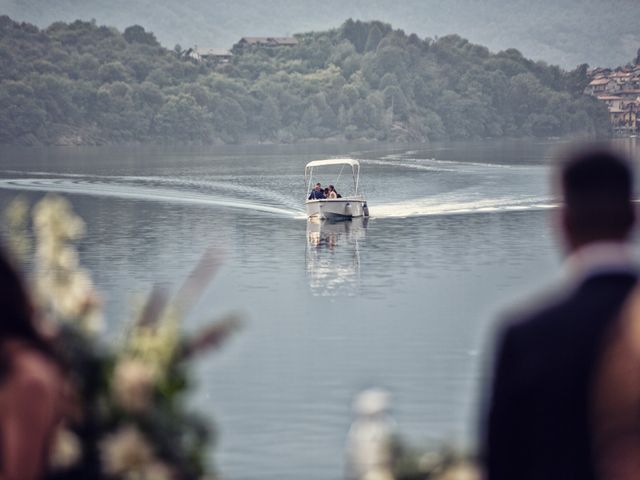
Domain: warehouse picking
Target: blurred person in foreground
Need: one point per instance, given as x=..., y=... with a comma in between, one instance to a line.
x=31, y=384
x=540, y=423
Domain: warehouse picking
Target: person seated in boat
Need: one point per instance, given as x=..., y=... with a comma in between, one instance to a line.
x=317, y=193
x=326, y=192
x=332, y=192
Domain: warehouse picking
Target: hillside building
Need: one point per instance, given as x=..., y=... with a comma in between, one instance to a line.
x=217, y=55
x=266, y=42
x=619, y=89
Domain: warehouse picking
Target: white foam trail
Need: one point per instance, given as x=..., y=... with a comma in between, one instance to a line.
x=244, y=190
x=140, y=193
x=413, y=166
x=45, y=174
x=442, y=206
x=431, y=164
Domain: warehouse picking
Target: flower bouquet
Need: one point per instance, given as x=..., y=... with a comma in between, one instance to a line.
x=125, y=408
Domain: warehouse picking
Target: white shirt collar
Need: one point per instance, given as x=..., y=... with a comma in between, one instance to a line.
x=601, y=257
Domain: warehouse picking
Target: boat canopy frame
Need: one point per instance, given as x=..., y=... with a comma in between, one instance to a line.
x=355, y=170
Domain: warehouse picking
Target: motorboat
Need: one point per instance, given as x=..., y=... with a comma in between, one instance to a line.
x=344, y=208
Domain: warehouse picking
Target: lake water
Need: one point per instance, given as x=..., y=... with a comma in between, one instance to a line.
x=406, y=301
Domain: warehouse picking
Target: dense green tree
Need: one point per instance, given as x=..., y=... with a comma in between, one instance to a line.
x=182, y=118
x=577, y=80
x=112, y=72
x=270, y=120
x=20, y=113
x=356, y=32
x=395, y=100
x=373, y=39
x=137, y=34
x=229, y=119
x=389, y=79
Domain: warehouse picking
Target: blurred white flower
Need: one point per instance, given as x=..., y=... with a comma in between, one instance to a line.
x=126, y=451
x=155, y=344
x=17, y=220
x=53, y=217
x=68, y=259
x=62, y=286
x=66, y=449
x=378, y=474
x=133, y=382
x=429, y=461
x=461, y=471
x=371, y=402
x=369, y=442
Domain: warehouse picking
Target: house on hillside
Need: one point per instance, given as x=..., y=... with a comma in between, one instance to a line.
x=629, y=94
x=612, y=101
x=266, y=42
x=191, y=54
x=599, y=86
x=619, y=89
x=217, y=55
x=626, y=120
x=220, y=55
x=621, y=78
x=598, y=72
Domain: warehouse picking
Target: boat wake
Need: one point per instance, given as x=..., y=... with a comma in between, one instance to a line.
x=159, y=189
x=462, y=187
x=440, y=206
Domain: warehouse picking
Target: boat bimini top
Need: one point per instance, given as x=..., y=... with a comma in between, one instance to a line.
x=355, y=170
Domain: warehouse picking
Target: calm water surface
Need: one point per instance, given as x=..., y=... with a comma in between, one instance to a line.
x=406, y=301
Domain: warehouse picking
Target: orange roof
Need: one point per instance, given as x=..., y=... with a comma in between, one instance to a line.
x=599, y=81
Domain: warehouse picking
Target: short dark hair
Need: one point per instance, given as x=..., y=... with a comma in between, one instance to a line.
x=597, y=189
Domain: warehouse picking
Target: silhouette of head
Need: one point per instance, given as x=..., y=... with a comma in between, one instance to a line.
x=14, y=303
x=597, y=188
x=18, y=321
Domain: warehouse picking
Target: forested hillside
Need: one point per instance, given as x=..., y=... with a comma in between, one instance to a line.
x=81, y=83
x=567, y=32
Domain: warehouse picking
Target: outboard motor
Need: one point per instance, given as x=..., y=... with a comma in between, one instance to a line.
x=365, y=209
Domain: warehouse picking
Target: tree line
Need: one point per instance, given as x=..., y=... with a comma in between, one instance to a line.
x=567, y=32
x=80, y=83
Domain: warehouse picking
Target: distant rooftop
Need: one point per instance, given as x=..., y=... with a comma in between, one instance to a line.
x=268, y=41
x=214, y=52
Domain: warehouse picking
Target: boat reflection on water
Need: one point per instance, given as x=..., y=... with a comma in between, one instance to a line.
x=333, y=255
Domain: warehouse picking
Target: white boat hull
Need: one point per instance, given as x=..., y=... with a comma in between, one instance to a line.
x=336, y=209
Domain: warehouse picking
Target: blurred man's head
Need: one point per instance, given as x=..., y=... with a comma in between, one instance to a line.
x=596, y=187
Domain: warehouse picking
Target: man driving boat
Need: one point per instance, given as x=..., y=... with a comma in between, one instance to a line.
x=317, y=193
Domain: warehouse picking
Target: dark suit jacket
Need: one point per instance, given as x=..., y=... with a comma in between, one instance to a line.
x=538, y=416
x=316, y=195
